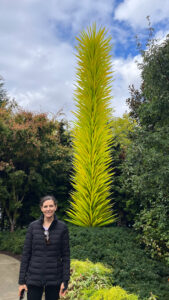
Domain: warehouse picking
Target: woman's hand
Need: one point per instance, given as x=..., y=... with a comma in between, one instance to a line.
x=22, y=287
x=62, y=292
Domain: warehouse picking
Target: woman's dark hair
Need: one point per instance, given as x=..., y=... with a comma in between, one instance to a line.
x=48, y=197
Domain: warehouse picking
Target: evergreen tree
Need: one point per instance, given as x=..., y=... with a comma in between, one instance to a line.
x=145, y=170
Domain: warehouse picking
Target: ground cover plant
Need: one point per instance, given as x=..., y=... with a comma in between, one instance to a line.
x=117, y=248
x=93, y=281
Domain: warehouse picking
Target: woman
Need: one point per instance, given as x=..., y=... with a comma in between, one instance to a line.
x=45, y=261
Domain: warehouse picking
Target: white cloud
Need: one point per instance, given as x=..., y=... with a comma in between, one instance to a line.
x=160, y=36
x=126, y=73
x=78, y=14
x=37, y=58
x=37, y=54
x=45, y=79
x=136, y=11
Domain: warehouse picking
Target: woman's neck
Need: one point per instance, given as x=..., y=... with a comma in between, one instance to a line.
x=48, y=221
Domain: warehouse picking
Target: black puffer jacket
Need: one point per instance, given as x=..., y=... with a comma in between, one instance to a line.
x=45, y=264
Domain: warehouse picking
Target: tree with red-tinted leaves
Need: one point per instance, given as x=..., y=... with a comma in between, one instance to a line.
x=32, y=161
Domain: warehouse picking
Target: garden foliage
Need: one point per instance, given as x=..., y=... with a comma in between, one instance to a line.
x=146, y=171
x=35, y=159
x=91, y=281
x=118, y=249
x=114, y=293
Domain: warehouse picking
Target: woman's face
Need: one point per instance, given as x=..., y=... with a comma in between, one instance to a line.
x=48, y=208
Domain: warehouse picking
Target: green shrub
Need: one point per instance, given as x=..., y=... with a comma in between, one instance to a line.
x=93, y=281
x=86, y=278
x=12, y=241
x=118, y=249
x=115, y=293
x=153, y=228
x=82, y=268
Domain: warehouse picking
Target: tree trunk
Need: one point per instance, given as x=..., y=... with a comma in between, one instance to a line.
x=12, y=224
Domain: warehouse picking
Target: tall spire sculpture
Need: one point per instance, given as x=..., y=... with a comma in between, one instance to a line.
x=91, y=179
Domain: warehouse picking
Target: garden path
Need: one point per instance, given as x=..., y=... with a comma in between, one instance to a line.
x=9, y=271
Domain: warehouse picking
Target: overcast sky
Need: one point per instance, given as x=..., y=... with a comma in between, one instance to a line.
x=37, y=47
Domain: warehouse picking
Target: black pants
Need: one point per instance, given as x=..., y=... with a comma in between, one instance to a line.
x=35, y=292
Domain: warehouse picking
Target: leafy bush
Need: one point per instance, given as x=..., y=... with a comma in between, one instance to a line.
x=12, y=241
x=152, y=225
x=145, y=170
x=118, y=249
x=92, y=281
x=115, y=293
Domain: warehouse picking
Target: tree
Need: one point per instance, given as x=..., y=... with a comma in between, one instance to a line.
x=33, y=162
x=91, y=179
x=3, y=94
x=122, y=130
x=146, y=170
x=134, y=101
